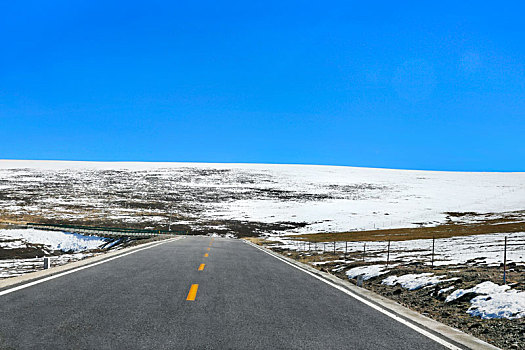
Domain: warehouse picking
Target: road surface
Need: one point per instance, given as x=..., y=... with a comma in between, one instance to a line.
x=242, y=298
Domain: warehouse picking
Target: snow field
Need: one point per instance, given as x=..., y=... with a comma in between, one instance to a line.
x=328, y=198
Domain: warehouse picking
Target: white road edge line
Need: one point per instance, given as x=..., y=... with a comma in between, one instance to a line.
x=29, y=284
x=372, y=305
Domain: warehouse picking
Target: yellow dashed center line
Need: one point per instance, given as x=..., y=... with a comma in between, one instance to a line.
x=193, y=292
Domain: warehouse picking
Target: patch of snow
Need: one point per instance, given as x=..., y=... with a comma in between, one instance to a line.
x=445, y=290
x=416, y=281
x=486, y=287
x=368, y=272
x=319, y=263
x=495, y=301
x=339, y=268
x=11, y=244
x=510, y=304
x=55, y=240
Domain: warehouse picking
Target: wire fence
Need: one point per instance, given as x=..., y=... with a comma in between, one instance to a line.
x=482, y=250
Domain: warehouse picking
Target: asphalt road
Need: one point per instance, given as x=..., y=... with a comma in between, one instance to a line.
x=246, y=299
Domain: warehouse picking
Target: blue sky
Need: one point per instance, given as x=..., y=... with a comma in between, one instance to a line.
x=362, y=83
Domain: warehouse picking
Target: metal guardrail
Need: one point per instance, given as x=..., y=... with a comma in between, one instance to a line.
x=111, y=231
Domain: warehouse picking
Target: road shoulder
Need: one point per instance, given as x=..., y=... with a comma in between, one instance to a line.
x=32, y=277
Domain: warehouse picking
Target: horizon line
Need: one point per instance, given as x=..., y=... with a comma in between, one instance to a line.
x=260, y=163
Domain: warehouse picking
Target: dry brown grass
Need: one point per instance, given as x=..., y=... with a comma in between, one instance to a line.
x=254, y=240
x=18, y=219
x=259, y=241
x=405, y=234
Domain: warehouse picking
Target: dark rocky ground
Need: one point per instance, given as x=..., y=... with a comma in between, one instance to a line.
x=504, y=333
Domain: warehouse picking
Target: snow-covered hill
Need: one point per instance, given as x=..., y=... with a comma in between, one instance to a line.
x=307, y=198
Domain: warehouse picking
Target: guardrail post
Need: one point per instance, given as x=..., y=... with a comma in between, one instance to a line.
x=47, y=263
x=360, y=280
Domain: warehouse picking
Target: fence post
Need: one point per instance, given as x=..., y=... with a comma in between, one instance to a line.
x=433, y=243
x=364, y=251
x=309, y=246
x=505, y=262
x=334, y=247
x=346, y=249
x=388, y=254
